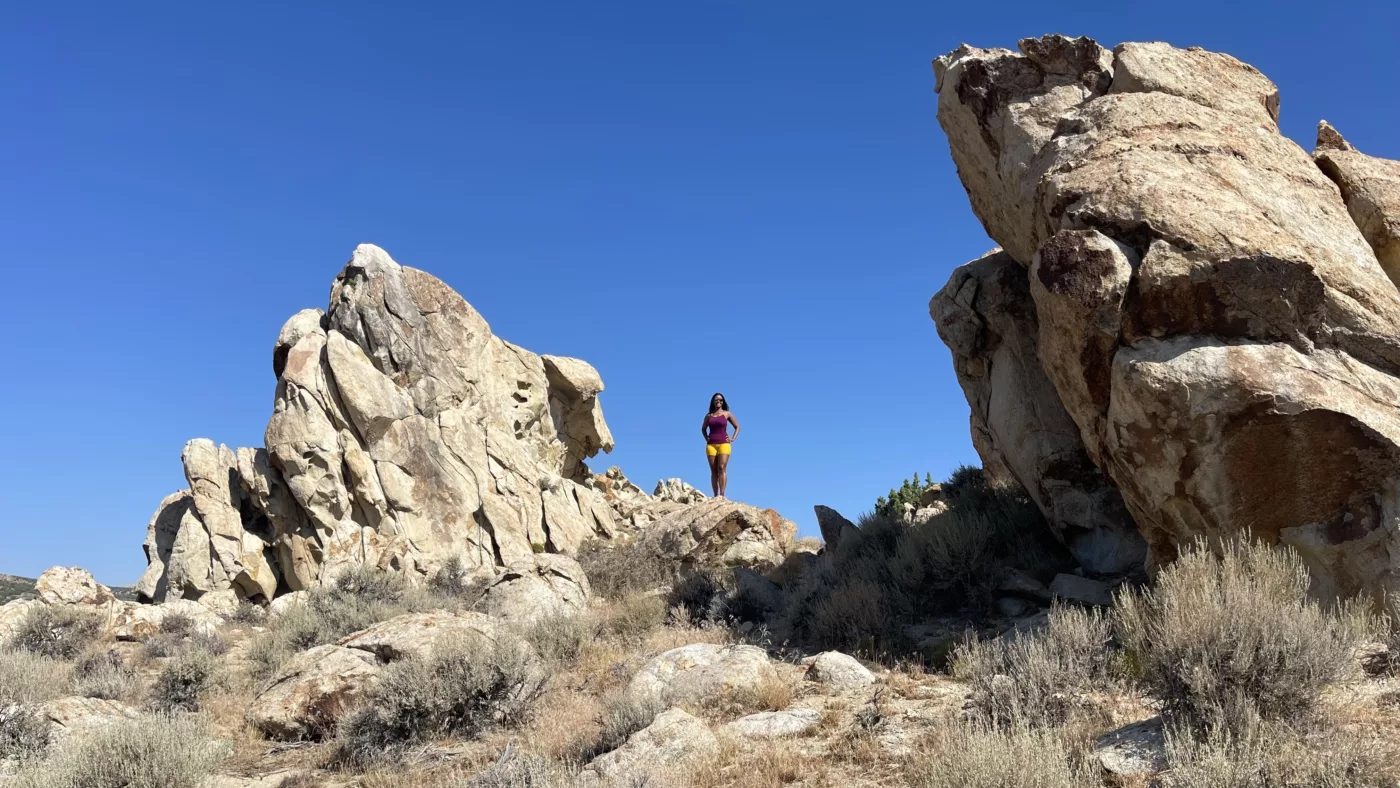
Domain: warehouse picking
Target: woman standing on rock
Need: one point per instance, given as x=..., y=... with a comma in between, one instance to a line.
x=715, y=428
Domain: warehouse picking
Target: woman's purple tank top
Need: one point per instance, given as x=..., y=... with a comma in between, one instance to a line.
x=719, y=428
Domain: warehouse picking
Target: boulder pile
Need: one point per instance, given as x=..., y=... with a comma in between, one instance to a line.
x=1191, y=327
x=404, y=434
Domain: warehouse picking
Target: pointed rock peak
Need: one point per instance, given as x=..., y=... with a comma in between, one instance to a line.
x=371, y=258
x=1328, y=138
x=1080, y=57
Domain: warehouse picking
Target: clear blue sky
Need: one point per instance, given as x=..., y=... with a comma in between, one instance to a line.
x=749, y=197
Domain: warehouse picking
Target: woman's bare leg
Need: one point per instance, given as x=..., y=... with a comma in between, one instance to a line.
x=714, y=474
x=722, y=473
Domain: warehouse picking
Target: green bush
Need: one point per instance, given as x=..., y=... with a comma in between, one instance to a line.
x=464, y=687
x=861, y=594
x=152, y=752
x=1223, y=639
x=911, y=492
x=1031, y=679
x=973, y=756
x=57, y=631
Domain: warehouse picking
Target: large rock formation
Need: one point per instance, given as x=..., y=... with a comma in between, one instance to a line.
x=403, y=432
x=1210, y=318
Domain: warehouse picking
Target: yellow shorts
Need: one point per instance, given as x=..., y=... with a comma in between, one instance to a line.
x=711, y=449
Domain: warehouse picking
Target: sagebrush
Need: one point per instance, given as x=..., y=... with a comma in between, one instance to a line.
x=152, y=752
x=1225, y=637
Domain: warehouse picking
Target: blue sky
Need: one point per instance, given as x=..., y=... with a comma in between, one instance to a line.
x=746, y=197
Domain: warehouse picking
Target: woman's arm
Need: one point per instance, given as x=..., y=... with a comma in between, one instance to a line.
x=705, y=426
x=735, y=422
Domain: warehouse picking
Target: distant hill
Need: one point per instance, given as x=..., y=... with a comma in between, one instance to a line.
x=15, y=587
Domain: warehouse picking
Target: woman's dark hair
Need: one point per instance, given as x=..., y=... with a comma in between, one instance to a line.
x=724, y=402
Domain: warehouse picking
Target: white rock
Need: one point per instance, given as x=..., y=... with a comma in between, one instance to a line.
x=775, y=724
x=673, y=741
x=839, y=671
x=65, y=585
x=1082, y=590
x=312, y=692
x=1137, y=749
x=545, y=585
x=136, y=621
x=282, y=604
x=701, y=672
x=71, y=715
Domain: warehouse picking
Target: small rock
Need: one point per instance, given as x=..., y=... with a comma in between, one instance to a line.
x=1082, y=590
x=312, y=692
x=674, y=740
x=69, y=585
x=133, y=621
x=1014, y=606
x=775, y=724
x=12, y=614
x=1018, y=583
x=1134, y=749
x=833, y=526
x=839, y=671
x=70, y=715
x=700, y=672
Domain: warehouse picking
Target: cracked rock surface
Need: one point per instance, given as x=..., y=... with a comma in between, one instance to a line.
x=1186, y=310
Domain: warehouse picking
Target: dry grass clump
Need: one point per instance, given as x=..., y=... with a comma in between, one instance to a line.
x=152, y=752
x=103, y=674
x=622, y=717
x=466, y=686
x=618, y=569
x=1032, y=679
x=57, y=631
x=1223, y=639
x=26, y=677
x=192, y=672
x=1275, y=756
x=520, y=770
x=24, y=733
x=632, y=618
x=973, y=756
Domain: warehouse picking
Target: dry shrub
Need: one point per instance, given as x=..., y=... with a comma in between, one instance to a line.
x=1032, y=679
x=57, y=631
x=177, y=624
x=359, y=598
x=1269, y=755
x=466, y=686
x=26, y=677
x=773, y=693
x=861, y=595
x=453, y=581
x=24, y=733
x=701, y=596
x=103, y=674
x=252, y=614
x=192, y=672
x=632, y=618
x=559, y=638
x=622, y=717
x=617, y=570
x=519, y=770
x=1224, y=638
x=973, y=756
x=152, y=752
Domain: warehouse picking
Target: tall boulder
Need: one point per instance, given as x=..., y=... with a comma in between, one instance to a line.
x=1019, y=424
x=403, y=432
x=1213, y=321
x=1371, y=189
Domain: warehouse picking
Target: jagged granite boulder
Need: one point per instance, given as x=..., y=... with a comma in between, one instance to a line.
x=1371, y=190
x=403, y=432
x=1207, y=312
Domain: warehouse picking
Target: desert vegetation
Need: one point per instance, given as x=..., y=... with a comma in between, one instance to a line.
x=1243, y=679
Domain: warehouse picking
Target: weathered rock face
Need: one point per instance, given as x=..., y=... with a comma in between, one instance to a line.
x=1371, y=189
x=701, y=672
x=1212, y=323
x=314, y=691
x=537, y=589
x=403, y=432
x=986, y=317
